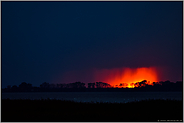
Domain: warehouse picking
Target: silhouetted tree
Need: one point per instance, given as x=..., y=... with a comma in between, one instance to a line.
x=97, y=85
x=52, y=86
x=8, y=88
x=79, y=86
x=132, y=84
x=142, y=83
x=14, y=88
x=36, y=89
x=59, y=86
x=25, y=87
x=108, y=86
x=91, y=85
x=123, y=84
x=45, y=85
x=102, y=85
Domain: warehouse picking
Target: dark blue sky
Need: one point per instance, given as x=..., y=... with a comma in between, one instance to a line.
x=42, y=41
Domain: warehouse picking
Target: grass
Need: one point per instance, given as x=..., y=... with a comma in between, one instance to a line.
x=69, y=111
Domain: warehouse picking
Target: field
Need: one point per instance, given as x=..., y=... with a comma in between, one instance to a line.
x=68, y=111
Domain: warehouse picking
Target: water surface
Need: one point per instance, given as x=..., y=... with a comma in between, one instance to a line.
x=95, y=96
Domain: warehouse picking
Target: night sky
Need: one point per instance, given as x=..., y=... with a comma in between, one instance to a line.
x=61, y=42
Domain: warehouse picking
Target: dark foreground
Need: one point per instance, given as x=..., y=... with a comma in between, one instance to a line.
x=63, y=111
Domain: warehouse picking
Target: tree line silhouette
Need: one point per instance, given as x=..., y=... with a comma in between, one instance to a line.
x=96, y=86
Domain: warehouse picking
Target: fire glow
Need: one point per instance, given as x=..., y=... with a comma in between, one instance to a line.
x=126, y=77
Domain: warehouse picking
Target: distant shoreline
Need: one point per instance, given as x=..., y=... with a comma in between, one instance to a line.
x=100, y=90
x=142, y=86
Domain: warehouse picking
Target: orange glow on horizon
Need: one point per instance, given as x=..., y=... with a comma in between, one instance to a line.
x=127, y=77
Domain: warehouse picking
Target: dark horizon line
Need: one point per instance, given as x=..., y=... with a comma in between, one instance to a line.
x=158, y=82
x=95, y=87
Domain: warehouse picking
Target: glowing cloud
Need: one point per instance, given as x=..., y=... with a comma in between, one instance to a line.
x=126, y=77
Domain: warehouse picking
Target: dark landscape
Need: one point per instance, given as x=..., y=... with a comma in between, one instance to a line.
x=92, y=61
x=97, y=87
x=68, y=111
x=53, y=110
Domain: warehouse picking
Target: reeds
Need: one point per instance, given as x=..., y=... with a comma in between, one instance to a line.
x=69, y=111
